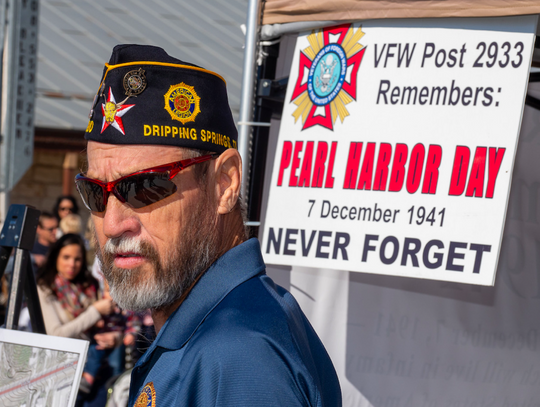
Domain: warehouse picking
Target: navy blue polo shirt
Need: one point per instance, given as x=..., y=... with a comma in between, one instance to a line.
x=237, y=340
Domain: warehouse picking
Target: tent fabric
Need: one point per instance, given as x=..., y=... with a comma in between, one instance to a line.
x=289, y=11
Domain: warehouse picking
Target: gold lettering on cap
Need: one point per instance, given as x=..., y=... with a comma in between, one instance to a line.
x=90, y=126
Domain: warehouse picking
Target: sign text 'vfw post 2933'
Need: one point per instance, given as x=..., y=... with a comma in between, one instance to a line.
x=397, y=145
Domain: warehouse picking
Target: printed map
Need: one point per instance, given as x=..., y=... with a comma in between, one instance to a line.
x=35, y=377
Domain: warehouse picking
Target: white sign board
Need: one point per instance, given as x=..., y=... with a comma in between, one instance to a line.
x=40, y=370
x=397, y=145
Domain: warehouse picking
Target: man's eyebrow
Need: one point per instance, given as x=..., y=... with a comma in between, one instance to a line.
x=120, y=173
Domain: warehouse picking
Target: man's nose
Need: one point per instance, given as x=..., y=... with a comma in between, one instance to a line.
x=119, y=219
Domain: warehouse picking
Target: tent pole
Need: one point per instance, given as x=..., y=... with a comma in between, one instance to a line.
x=248, y=91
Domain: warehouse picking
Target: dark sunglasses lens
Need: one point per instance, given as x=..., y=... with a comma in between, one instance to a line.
x=91, y=194
x=145, y=189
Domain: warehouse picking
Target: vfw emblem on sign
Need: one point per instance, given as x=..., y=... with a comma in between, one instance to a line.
x=327, y=76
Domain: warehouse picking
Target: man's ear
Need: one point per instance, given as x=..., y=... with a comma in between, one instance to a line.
x=228, y=180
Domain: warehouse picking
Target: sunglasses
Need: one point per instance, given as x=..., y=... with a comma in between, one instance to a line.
x=50, y=229
x=139, y=189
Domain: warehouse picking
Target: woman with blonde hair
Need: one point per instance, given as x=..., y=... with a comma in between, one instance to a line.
x=71, y=224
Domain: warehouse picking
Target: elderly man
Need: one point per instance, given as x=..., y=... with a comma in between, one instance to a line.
x=163, y=185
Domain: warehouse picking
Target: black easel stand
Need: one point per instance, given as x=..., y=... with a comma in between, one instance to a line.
x=19, y=233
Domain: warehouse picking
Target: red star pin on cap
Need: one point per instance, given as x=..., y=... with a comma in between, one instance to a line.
x=113, y=112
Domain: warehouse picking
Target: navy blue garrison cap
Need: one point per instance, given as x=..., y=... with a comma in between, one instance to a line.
x=148, y=97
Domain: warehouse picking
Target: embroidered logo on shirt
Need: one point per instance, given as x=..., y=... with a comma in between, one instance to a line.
x=147, y=398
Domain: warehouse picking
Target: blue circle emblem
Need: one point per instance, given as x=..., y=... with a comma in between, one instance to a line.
x=327, y=74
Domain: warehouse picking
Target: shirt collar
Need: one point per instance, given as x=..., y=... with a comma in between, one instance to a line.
x=233, y=268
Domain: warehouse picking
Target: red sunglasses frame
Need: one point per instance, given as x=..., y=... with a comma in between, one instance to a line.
x=173, y=169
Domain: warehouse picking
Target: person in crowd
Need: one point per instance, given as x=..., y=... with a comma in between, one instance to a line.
x=71, y=223
x=127, y=325
x=45, y=237
x=69, y=298
x=65, y=205
x=163, y=185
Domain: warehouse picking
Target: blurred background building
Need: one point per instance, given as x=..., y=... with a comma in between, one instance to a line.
x=76, y=39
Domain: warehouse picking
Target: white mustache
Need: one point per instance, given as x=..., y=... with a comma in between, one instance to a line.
x=122, y=245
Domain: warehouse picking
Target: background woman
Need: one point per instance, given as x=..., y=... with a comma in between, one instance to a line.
x=65, y=204
x=69, y=300
x=67, y=291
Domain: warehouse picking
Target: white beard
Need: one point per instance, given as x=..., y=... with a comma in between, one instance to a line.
x=140, y=289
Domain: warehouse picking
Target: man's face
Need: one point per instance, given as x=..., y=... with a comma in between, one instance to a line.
x=149, y=255
x=46, y=231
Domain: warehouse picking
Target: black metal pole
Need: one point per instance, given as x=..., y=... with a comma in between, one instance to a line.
x=264, y=109
x=32, y=298
x=19, y=232
x=18, y=278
